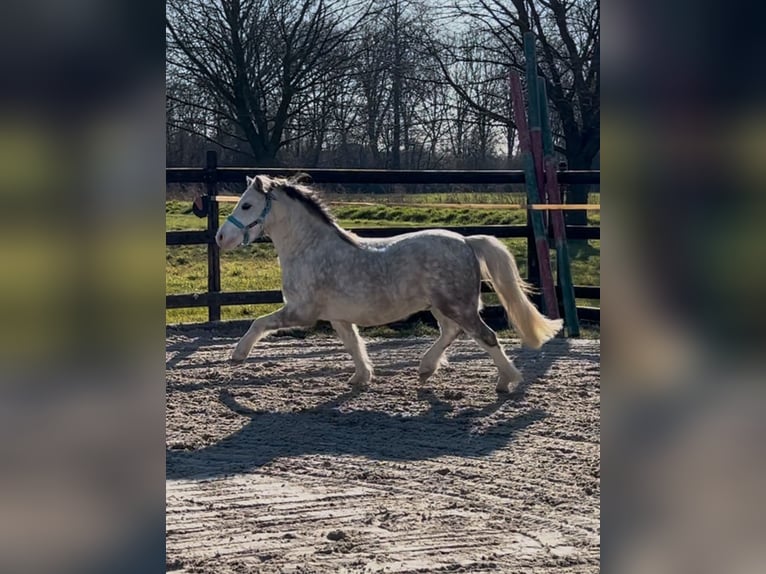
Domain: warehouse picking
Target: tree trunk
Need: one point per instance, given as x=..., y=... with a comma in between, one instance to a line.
x=577, y=193
x=510, y=139
x=397, y=92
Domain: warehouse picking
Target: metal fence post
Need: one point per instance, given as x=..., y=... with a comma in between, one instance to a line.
x=213, y=255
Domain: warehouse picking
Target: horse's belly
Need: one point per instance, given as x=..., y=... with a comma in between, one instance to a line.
x=369, y=314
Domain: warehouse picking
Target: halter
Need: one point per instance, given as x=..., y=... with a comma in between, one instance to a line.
x=246, y=240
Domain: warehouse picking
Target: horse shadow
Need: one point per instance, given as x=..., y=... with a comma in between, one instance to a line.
x=328, y=429
x=181, y=352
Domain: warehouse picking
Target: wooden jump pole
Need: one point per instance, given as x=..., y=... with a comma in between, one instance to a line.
x=557, y=220
x=534, y=114
x=533, y=197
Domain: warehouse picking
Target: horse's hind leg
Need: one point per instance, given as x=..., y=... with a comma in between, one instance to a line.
x=354, y=344
x=473, y=324
x=280, y=319
x=433, y=357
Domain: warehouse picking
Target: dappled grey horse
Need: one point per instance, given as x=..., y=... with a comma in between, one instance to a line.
x=333, y=275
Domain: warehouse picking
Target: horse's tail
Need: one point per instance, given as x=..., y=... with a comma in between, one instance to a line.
x=499, y=267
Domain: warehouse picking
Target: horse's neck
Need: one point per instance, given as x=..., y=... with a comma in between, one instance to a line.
x=297, y=231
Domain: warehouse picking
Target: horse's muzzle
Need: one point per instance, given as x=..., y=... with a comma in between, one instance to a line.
x=224, y=243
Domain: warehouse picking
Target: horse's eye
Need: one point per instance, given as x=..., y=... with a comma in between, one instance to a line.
x=245, y=206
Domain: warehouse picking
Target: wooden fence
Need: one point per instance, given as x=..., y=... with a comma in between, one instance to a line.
x=212, y=175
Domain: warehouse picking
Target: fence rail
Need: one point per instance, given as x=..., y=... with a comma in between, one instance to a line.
x=212, y=175
x=379, y=176
x=264, y=297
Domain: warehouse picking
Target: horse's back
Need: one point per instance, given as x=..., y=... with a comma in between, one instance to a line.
x=425, y=236
x=433, y=247
x=434, y=264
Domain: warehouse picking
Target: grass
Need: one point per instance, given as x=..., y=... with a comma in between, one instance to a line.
x=469, y=215
x=255, y=267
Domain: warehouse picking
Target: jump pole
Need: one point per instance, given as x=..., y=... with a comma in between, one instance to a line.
x=535, y=112
x=533, y=196
x=557, y=219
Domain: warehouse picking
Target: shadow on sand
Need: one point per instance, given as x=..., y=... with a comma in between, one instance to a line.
x=327, y=429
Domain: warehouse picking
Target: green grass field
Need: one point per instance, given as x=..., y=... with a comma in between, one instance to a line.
x=255, y=267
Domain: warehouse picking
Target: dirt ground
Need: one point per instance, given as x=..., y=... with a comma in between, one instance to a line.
x=275, y=466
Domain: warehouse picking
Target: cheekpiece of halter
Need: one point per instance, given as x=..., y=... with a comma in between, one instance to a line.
x=246, y=239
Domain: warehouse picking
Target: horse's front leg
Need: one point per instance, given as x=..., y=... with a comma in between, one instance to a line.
x=354, y=344
x=283, y=318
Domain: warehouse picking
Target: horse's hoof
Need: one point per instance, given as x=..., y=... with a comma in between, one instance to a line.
x=360, y=382
x=237, y=359
x=507, y=386
x=423, y=377
x=359, y=386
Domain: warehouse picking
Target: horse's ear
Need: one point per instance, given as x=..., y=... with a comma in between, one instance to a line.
x=301, y=178
x=259, y=180
x=260, y=183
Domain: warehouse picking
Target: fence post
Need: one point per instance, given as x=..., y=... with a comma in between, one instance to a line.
x=213, y=255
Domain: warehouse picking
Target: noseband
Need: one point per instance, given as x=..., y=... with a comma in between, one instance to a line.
x=246, y=239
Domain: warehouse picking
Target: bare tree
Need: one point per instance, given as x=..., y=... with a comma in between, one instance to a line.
x=568, y=37
x=319, y=82
x=256, y=57
x=371, y=73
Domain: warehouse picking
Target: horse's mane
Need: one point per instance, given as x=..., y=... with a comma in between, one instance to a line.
x=312, y=201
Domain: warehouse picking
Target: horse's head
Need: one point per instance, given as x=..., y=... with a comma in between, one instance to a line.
x=246, y=222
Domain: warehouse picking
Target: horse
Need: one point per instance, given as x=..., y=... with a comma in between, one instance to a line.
x=331, y=274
